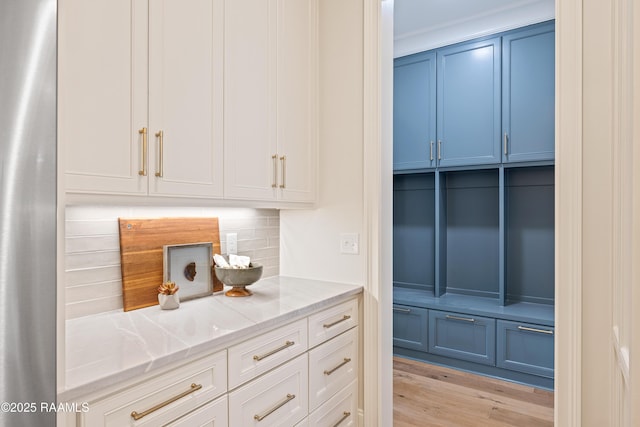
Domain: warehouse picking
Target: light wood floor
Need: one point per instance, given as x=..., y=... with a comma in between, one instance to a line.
x=429, y=395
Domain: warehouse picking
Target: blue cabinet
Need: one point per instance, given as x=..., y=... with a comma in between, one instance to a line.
x=525, y=348
x=528, y=94
x=474, y=212
x=414, y=111
x=462, y=336
x=414, y=230
x=410, y=327
x=468, y=103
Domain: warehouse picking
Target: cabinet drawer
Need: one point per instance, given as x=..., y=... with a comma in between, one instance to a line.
x=525, y=347
x=214, y=414
x=341, y=410
x=410, y=327
x=462, y=336
x=332, y=322
x=256, y=356
x=209, y=374
x=332, y=366
x=278, y=398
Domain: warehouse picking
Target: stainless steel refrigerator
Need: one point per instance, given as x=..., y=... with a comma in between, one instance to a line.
x=27, y=211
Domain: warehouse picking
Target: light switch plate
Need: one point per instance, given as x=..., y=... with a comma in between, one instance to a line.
x=349, y=243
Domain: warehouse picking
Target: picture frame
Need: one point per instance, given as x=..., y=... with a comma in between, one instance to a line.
x=189, y=266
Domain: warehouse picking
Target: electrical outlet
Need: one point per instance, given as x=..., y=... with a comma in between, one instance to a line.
x=349, y=243
x=232, y=243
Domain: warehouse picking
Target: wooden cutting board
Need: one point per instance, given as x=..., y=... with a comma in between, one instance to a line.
x=141, y=255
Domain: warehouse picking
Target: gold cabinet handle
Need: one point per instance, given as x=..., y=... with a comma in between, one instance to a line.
x=143, y=162
x=402, y=310
x=439, y=149
x=283, y=159
x=464, y=319
x=539, y=331
x=329, y=325
x=160, y=136
x=345, y=415
x=506, y=139
x=274, y=183
x=344, y=362
x=431, y=150
x=275, y=408
x=274, y=351
x=136, y=416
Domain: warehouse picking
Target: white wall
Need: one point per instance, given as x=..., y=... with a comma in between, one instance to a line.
x=310, y=240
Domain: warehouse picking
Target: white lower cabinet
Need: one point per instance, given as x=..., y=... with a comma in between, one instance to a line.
x=332, y=366
x=340, y=410
x=162, y=399
x=279, y=398
x=264, y=352
x=212, y=414
x=277, y=378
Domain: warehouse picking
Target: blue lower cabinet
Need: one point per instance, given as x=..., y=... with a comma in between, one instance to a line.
x=525, y=348
x=462, y=336
x=410, y=327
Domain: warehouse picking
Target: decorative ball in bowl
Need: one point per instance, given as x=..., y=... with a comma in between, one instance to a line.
x=239, y=278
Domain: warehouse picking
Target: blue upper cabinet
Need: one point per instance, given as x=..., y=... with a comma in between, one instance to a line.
x=468, y=98
x=414, y=112
x=528, y=103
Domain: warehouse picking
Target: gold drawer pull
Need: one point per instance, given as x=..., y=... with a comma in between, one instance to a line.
x=344, y=362
x=136, y=416
x=275, y=408
x=272, y=352
x=540, y=331
x=160, y=136
x=345, y=415
x=283, y=159
x=328, y=325
x=464, y=319
x=402, y=310
x=274, y=183
x=143, y=163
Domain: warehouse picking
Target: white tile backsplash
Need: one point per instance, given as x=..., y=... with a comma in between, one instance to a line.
x=92, y=248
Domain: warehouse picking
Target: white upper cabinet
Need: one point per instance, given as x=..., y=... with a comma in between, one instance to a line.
x=140, y=96
x=185, y=97
x=270, y=100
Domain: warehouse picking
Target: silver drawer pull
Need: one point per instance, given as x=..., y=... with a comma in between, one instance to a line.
x=345, y=415
x=279, y=405
x=272, y=352
x=344, y=362
x=328, y=325
x=540, y=331
x=402, y=310
x=464, y=319
x=136, y=416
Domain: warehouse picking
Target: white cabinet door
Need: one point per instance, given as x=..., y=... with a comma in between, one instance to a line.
x=341, y=410
x=185, y=97
x=213, y=414
x=256, y=356
x=250, y=109
x=132, y=66
x=102, y=94
x=270, y=99
x=332, y=366
x=297, y=132
x=162, y=399
x=278, y=398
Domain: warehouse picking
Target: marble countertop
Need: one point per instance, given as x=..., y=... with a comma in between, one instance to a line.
x=108, y=348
